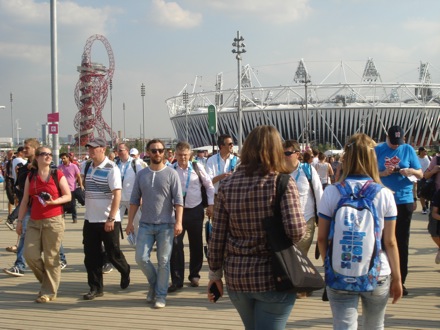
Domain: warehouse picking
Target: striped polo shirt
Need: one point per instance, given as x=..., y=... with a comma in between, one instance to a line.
x=99, y=185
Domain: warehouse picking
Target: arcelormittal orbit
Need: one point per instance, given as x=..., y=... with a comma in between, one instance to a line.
x=91, y=93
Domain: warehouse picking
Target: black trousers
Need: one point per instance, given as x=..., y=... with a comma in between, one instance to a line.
x=193, y=224
x=93, y=237
x=403, y=224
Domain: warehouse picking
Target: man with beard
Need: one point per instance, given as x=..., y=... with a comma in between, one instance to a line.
x=159, y=188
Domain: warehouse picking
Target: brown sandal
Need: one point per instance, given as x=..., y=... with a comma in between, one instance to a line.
x=12, y=248
x=43, y=299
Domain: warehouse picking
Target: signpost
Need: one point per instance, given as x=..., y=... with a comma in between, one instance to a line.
x=212, y=123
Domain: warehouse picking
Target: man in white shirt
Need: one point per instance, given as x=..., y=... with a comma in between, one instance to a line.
x=309, y=192
x=17, y=162
x=129, y=167
x=424, y=163
x=222, y=164
x=193, y=216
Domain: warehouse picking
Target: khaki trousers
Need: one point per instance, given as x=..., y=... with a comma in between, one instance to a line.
x=307, y=240
x=42, y=252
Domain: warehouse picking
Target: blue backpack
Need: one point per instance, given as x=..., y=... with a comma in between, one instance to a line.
x=353, y=261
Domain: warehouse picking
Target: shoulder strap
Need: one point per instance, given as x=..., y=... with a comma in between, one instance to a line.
x=133, y=165
x=54, y=175
x=438, y=159
x=281, y=185
x=370, y=190
x=86, y=169
x=196, y=168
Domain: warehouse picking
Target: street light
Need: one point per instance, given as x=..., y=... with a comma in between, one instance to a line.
x=111, y=114
x=185, y=103
x=12, y=121
x=239, y=45
x=143, y=116
x=123, y=109
x=302, y=76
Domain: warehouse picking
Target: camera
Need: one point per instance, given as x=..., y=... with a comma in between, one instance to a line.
x=46, y=196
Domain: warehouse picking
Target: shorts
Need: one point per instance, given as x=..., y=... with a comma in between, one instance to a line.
x=433, y=226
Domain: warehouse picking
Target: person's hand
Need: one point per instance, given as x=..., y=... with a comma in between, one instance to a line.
x=19, y=228
x=210, y=211
x=396, y=290
x=388, y=171
x=109, y=226
x=219, y=284
x=178, y=228
x=130, y=228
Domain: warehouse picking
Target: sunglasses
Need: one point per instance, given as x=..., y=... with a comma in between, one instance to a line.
x=289, y=153
x=230, y=144
x=121, y=150
x=157, y=151
x=45, y=154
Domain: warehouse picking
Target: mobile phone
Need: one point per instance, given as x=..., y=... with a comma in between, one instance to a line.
x=214, y=290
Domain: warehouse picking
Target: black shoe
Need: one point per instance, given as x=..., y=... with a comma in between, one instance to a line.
x=92, y=295
x=125, y=280
x=174, y=287
x=404, y=291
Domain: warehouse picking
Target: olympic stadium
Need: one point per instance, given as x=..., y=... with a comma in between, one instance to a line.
x=314, y=113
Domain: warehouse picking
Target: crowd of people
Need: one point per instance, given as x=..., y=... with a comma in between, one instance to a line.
x=172, y=194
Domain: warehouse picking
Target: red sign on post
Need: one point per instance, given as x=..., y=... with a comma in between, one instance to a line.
x=53, y=128
x=53, y=117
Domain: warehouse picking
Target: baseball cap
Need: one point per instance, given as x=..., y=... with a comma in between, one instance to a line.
x=134, y=151
x=396, y=135
x=97, y=142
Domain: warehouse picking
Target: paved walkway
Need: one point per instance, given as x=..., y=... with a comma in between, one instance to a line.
x=189, y=308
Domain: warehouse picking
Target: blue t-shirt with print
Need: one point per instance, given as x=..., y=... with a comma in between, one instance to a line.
x=403, y=157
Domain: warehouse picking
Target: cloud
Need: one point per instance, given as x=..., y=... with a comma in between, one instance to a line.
x=274, y=11
x=30, y=53
x=173, y=15
x=423, y=26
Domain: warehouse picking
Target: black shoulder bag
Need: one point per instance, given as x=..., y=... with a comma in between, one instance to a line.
x=202, y=187
x=292, y=270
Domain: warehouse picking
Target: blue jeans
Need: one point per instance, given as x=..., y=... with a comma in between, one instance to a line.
x=163, y=235
x=344, y=306
x=19, y=262
x=263, y=310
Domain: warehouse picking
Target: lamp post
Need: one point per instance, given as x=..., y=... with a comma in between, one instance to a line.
x=302, y=76
x=111, y=114
x=143, y=116
x=239, y=49
x=18, y=131
x=185, y=103
x=12, y=121
x=123, y=109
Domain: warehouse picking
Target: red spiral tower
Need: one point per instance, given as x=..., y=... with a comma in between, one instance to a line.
x=91, y=94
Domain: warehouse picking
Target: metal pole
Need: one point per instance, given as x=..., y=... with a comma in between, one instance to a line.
x=12, y=122
x=307, y=116
x=143, y=116
x=123, y=109
x=185, y=103
x=111, y=114
x=238, y=51
x=54, y=73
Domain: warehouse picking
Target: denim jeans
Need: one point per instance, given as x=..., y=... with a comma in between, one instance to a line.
x=163, y=235
x=19, y=262
x=263, y=310
x=344, y=307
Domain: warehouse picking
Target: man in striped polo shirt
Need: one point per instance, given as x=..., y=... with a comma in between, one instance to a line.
x=102, y=220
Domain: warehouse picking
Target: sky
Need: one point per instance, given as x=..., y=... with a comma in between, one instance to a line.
x=167, y=44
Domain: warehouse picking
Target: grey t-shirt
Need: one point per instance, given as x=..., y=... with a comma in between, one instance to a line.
x=160, y=191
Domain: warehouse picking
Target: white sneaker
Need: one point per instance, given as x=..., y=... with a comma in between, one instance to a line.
x=107, y=268
x=160, y=303
x=437, y=258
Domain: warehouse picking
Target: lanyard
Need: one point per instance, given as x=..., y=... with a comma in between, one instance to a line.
x=297, y=174
x=188, y=178
x=125, y=167
x=221, y=170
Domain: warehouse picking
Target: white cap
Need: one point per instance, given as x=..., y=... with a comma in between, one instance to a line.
x=134, y=151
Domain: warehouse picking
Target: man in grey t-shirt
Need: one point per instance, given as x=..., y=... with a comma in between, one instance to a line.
x=159, y=188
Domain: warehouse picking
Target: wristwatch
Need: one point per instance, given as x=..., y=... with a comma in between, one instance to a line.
x=110, y=219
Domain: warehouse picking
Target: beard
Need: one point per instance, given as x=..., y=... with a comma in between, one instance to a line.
x=156, y=161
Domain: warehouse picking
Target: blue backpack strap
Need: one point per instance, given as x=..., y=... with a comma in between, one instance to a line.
x=344, y=188
x=370, y=190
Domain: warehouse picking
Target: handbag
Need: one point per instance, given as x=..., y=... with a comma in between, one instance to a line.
x=292, y=270
x=202, y=187
x=79, y=195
